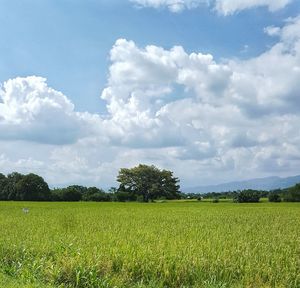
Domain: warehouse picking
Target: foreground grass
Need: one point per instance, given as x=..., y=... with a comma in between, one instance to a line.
x=10, y=282
x=188, y=244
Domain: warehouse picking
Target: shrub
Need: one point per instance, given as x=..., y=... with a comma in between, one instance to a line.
x=274, y=197
x=140, y=198
x=95, y=194
x=215, y=200
x=247, y=196
x=123, y=196
x=70, y=193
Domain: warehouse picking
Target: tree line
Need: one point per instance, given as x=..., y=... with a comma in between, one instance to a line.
x=291, y=194
x=142, y=183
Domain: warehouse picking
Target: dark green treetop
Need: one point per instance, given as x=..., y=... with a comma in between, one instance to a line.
x=148, y=182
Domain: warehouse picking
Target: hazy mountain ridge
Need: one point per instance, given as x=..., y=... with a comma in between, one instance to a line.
x=268, y=183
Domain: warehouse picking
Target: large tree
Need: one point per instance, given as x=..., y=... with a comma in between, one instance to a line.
x=11, y=185
x=148, y=182
x=32, y=187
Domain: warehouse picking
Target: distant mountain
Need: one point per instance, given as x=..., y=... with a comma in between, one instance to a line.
x=268, y=183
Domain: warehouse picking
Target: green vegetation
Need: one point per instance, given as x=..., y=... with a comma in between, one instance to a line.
x=215, y=200
x=20, y=187
x=142, y=183
x=292, y=194
x=167, y=244
x=274, y=197
x=247, y=196
x=148, y=183
x=10, y=282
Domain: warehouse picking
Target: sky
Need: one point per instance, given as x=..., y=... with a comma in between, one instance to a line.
x=206, y=88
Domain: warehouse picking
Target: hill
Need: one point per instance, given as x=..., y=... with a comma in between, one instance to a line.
x=268, y=183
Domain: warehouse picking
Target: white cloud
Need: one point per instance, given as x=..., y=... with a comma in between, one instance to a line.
x=225, y=7
x=221, y=114
x=33, y=111
x=173, y=5
x=272, y=31
x=206, y=120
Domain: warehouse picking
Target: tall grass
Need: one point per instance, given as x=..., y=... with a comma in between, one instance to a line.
x=152, y=245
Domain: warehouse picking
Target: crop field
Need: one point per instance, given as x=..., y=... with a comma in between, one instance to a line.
x=172, y=244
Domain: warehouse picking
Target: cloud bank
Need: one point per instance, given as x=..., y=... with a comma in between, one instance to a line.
x=204, y=119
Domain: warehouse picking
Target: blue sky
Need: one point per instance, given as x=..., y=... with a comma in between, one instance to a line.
x=69, y=44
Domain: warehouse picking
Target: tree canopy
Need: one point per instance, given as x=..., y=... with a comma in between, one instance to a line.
x=148, y=182
x=247, y=196
x=292, y=194
x=30, y=187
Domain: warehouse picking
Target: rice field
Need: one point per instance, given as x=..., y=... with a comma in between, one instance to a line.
x=172, y=244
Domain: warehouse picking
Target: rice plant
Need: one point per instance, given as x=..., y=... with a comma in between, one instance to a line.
x=168, y=244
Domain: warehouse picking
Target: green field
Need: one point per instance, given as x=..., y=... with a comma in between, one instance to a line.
x=172, y=244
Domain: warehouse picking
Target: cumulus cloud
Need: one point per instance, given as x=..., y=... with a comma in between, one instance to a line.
x=219, y=115
x=141, y=89
x=205, y=119
x=31, y=110
x=225, y=7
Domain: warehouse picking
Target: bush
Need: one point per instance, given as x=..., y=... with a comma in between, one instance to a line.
x=99, y=197
x=66, y=194
x=123, y=196
x=95, y=194
x=274, y=197
x=247, y=196
x=215, y=200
